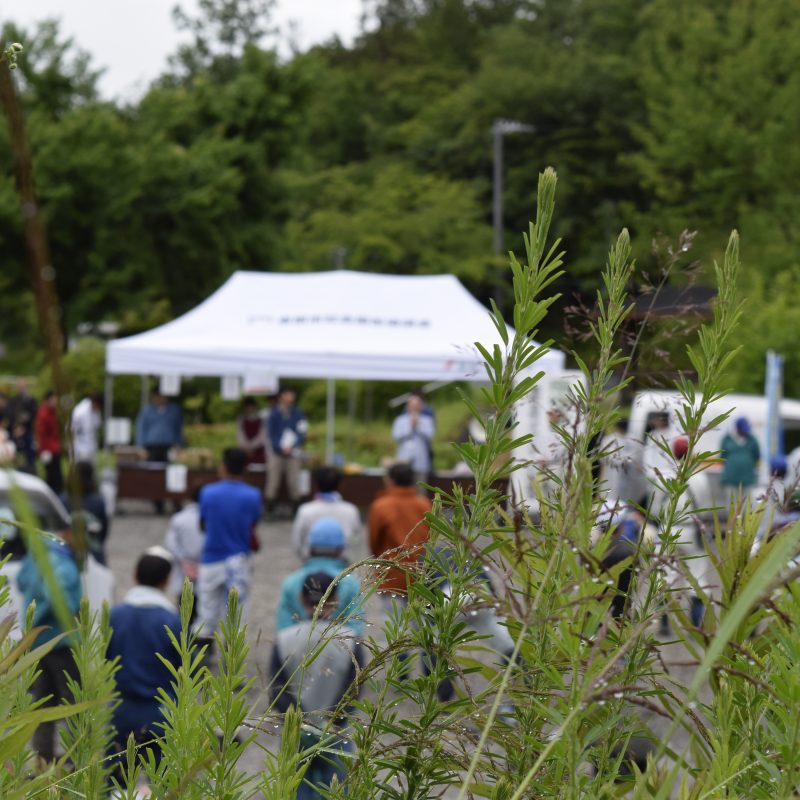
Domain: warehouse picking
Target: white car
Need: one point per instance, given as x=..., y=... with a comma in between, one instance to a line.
x=51, y=517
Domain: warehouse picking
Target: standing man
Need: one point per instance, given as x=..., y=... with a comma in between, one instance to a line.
x=622, y=468
x=286, y=434
x=229, y=512
x=22, y=414
x=49, y=441
x=185, y=540
x=85, y=425
x=397, y=530
x=159, y=427
x=657, y=459
x=414, y=431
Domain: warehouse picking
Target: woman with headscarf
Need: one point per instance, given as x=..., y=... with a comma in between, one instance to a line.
x=740, y=455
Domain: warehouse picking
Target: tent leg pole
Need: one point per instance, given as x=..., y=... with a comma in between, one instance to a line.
x=108, y=410
x=330, y=407
x=145, y=396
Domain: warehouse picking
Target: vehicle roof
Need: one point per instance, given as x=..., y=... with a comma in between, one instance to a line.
x=31, y=484
x=789, y=407
x=23, y=480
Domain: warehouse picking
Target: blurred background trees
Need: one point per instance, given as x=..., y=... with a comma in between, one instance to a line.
x=663, y=115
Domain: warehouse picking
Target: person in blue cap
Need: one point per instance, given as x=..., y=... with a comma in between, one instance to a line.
x=740, y=454
x=326, y=542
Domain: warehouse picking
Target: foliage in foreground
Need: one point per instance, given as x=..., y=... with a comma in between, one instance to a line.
x=579, y=687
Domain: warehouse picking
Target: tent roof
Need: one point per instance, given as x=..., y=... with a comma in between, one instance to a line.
x=339, y=324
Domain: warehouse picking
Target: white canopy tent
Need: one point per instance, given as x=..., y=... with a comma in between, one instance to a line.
x=339, y=324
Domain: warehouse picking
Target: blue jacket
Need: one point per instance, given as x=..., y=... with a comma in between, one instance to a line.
x=291, y=610
x=278, y=422
x=138, y=636
x=162, y=427
x=32, y=586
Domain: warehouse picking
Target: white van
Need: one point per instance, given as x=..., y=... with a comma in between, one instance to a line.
x=754, y=407
x=531, y=416
x=553, y=390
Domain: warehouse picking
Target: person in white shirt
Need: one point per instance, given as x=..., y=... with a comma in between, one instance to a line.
x=184, y=540
x=622, y=467
x=414, y=431
x=326, y=503
x=85, y=425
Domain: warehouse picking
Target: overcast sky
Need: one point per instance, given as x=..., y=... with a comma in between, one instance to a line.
x=133, y=38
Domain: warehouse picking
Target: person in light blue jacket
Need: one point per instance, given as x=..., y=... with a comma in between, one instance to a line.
x=326, y=543
x=54, y=666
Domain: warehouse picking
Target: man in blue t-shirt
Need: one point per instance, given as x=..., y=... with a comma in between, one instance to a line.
x=229, y=512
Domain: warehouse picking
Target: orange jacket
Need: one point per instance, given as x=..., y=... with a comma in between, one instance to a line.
x=395, y=521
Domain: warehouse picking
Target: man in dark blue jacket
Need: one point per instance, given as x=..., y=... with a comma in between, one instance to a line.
x=286, y=435
x=138, y=637
x=159, y=427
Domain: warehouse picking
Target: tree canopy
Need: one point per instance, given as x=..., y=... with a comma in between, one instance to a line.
x=665, y=116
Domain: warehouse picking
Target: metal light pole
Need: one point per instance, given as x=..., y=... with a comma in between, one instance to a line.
x=501, y=128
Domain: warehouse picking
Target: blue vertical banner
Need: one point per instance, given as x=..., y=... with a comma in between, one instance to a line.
x=774, y=393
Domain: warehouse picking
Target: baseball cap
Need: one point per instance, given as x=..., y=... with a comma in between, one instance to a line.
x=315, y=586
x=326, y=534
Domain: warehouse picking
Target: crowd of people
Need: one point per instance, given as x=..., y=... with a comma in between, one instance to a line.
x=31, y=434
x=633, y=470
x=211, y=540
x=275, y=437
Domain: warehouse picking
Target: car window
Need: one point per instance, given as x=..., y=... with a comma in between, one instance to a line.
x=44, y=512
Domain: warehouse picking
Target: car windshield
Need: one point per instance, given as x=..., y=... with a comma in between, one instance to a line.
x=45, y=514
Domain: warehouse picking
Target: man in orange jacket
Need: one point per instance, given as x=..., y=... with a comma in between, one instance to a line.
x=397, y=531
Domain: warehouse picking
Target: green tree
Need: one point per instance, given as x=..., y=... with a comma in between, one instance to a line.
x=53, y=72
x=771, y=323
x=384, y=217
x=211, y=197
x=722, y=99
x=220, y=31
